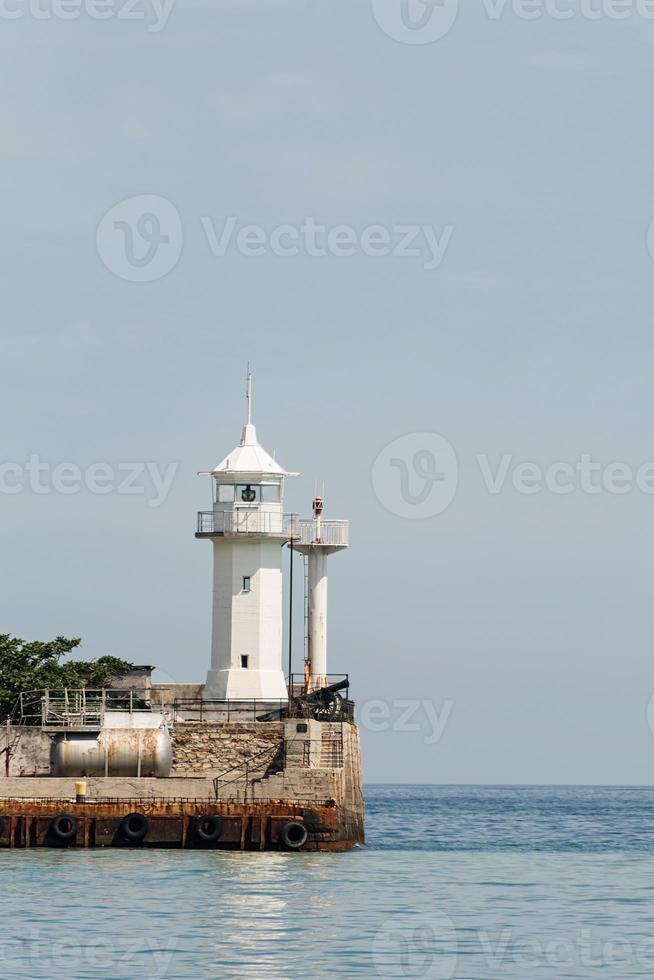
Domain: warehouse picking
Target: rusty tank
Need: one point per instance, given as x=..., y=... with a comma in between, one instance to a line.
x=135, y=744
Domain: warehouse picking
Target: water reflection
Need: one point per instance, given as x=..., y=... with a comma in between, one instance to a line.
x=555, y=903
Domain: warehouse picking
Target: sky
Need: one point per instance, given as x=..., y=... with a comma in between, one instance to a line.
x=462, y=355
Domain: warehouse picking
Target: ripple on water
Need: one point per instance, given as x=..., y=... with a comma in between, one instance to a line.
x=438, y=892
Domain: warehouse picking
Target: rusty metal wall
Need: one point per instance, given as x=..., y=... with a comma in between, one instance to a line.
x=247, y=826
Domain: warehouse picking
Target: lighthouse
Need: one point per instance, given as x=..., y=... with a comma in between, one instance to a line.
x=247, y=529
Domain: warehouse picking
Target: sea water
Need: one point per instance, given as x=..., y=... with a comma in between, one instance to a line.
x=466, y=882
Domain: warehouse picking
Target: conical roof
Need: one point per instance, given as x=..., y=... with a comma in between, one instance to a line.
x=248, y=458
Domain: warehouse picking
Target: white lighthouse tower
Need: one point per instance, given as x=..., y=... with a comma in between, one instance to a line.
x=247, y=529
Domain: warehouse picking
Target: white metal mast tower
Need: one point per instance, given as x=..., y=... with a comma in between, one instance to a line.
x=317, y=540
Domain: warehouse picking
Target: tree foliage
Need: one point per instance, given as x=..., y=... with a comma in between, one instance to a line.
x=32, y=666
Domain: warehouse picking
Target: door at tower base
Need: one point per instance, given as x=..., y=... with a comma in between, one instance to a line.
x=246, y=651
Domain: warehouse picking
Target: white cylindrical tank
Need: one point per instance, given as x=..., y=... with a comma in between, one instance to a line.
x=134, y=751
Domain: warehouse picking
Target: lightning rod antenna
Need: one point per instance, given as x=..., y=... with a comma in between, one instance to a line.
x=248, y=393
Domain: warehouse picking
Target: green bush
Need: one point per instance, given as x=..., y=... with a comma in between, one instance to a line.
x=32, y=666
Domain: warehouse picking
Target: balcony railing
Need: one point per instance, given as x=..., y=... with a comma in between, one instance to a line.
x=243, y=520
x=332, y=533
x=251, y=520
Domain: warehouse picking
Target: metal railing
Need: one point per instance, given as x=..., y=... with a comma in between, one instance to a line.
x=244, y=520
x=333, y=533
x=86, y=708
x=213, y=710
x=148, y=800
x=78, y=707
x=250, y=520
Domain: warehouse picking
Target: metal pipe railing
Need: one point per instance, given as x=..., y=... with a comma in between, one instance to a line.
x=251, y=520
x=333, y=533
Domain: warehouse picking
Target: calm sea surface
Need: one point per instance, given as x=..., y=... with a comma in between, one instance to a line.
x=466, y=882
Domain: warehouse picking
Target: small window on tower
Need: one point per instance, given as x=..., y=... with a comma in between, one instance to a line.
x=246, y=583
x=270, y=494
x=244, y=661
x=225, y=493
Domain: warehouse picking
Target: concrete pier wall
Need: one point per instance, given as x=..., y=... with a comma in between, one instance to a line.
x=29, y=751
x=302, y=760
x=118, y=787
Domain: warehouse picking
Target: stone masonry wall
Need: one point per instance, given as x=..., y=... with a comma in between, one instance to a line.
x=323, y=762
x=227, y=750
